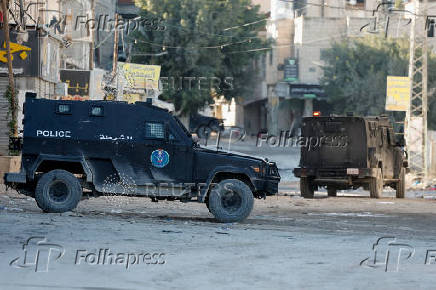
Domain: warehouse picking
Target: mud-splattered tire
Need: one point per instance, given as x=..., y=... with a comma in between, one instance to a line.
x=307, y=188
x=376, y=184
x=231, y=200
x=58, y=191
x=332, y=191
x=401, y=184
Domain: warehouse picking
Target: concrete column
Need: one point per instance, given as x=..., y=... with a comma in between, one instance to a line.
x=273, y=111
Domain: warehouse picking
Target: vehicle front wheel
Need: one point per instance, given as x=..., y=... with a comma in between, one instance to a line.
x=58, y=191
x=307, y=188
x=231, y=200
x=376, y=184
x=401, y=185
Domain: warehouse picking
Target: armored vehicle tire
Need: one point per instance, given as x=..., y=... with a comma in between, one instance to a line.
x=401, y=185
x=231, y=200
x=331, y=191
x=58, y=191
x=307, y=188
x=203, y=132
x=376, y=184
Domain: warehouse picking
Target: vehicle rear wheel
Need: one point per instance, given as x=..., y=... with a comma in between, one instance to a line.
x=203, y=132
x=58, y=191
x=307, y=188
x=401, y=185
x=331, y=191
x=231, y=200
x=376, y=184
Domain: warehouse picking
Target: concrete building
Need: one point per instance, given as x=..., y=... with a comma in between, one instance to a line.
x=36, y=43
x=291, y=71
x=54, y=43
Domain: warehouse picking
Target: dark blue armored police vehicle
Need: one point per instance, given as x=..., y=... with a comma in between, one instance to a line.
x=130, y=149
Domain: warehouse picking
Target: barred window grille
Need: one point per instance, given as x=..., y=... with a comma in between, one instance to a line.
x=64, y=109
x=97, y=111
x=154, y=130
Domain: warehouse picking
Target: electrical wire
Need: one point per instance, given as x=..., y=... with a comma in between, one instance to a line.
x=221, y=35
x=193, y=48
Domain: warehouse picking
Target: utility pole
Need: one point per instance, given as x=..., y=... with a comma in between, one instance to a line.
x=10, y=69
x=115, y=58
x=91, y=34
x=416, y=117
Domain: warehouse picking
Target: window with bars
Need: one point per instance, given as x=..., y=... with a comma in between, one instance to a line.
x=97, y=111
x=154, y=130
x=63, y=109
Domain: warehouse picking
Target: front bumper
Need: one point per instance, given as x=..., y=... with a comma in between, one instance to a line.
x=268, y=186
x=11, y=178
x=334, y=173
x=269, y=183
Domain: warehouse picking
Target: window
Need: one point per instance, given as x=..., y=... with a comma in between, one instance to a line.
x=97, y=111
x=154, y=130
x=63, y=109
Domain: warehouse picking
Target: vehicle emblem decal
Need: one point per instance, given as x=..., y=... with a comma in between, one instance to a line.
x=159, y=158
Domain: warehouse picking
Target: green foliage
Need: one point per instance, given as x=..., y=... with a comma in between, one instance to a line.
x=355, y=74
x=190, y=25
x=12, y=112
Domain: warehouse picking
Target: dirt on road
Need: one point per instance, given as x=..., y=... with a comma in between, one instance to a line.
x=287, y=243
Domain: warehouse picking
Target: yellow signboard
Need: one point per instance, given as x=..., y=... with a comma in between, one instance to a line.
x=132, y=98
x=140, y=76
x=15, y=47
x=397, y=94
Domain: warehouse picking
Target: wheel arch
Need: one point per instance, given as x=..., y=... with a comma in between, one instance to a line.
x=226, y=173
x=46, y=163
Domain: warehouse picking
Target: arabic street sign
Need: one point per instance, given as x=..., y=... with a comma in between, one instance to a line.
x=139, y=76
x=291, y=70
x=77, y=81
x=25, y=55
x=397, y=93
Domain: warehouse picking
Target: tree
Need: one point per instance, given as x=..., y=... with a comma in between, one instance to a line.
x=200, y=39
x=355, y=74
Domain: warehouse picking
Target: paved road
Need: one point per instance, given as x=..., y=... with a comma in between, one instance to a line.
x=287, y=243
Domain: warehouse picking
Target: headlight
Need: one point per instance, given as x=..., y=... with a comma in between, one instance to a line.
x=256, y=169
x=259, y=169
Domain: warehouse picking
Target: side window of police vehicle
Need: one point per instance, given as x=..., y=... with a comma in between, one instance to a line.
x=63, y=109
x=154, y=130
x=97, y=111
